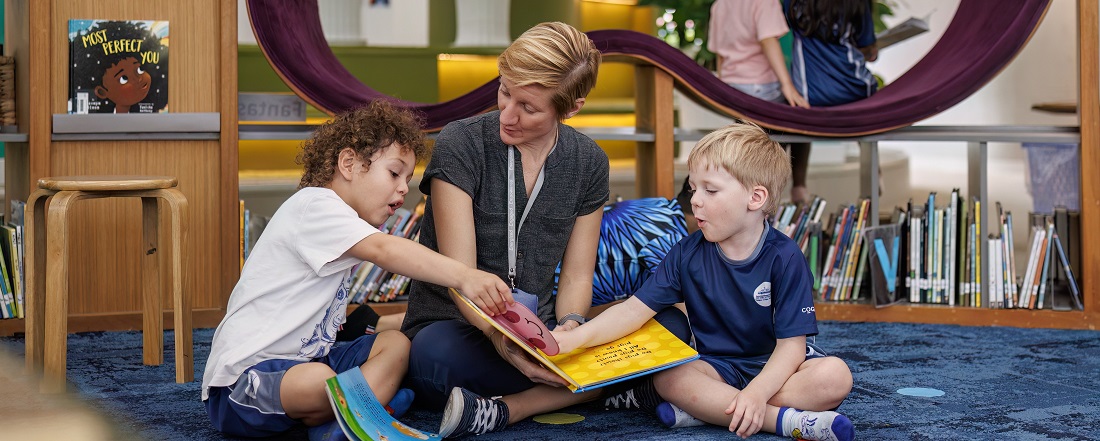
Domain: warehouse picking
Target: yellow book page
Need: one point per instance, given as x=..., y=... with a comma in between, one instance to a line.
x=649, y=348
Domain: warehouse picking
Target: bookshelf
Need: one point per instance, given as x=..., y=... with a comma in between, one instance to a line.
x=196, y=142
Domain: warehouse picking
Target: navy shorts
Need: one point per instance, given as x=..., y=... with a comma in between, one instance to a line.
x=252, y=407
x=738, y=372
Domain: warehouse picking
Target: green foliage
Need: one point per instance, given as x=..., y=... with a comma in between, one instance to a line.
x=683, y=11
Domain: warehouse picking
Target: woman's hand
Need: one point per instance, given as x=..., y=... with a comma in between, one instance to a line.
x=487, y=291
x=519, y=359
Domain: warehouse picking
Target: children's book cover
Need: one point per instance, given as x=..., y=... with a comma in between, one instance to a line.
x=118, y=66
x=650, y=349
x=360, y=414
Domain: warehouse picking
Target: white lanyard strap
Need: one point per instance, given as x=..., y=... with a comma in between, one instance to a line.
x=513, y=229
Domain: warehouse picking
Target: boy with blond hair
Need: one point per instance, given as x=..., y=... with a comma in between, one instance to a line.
x=747, y=289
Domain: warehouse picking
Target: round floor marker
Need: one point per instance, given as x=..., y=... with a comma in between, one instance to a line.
x=558, y=418
x=920, y=392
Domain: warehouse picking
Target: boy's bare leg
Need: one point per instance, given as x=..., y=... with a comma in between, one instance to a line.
x=541, y=399
x=302, y=390
x=390, y=322
x=386, y=365
x=697, y=388
x=818, y=384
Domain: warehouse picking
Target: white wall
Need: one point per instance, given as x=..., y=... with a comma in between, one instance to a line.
x=1045, y=71
x=400, y=23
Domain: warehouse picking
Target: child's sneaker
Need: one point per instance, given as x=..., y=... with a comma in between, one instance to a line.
x=674, y=417
x=468, y=413
x=642, y=396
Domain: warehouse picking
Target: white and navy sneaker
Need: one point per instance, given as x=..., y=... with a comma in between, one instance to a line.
x=468, y=413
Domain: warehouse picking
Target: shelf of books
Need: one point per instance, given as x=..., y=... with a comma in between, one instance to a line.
x=925, y=264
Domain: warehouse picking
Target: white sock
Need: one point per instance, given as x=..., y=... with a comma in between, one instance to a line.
x=814, y=426
x=674, y=417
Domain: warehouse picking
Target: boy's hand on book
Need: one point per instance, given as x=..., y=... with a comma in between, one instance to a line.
x=567, y=339
x=487, y=291
x=518, y=358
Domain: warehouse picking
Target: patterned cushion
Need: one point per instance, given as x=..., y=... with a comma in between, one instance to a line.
x=634, y=236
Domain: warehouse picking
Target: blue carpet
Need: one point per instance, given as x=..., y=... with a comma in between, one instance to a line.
x=998, y=383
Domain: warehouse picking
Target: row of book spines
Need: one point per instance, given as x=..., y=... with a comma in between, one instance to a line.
x=374, y=284
x=843, y=264
x=794, y=220
x=963, y=284
x=944, y=259
x=12, y=286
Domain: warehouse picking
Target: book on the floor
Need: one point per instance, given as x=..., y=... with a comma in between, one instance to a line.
x=650, y=349
x=361, y=416
x=118, y=66
x=903, y=31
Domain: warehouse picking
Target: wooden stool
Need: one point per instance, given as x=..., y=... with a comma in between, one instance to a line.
x=48, y=309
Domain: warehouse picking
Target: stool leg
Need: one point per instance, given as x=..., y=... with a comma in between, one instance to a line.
x=35, y=277
x=57, y=292
x=152, y=329
x=181, y=294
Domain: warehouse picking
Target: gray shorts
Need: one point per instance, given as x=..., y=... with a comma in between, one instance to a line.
x=766, y=91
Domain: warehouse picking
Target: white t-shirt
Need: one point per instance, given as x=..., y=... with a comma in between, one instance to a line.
x=293, y=293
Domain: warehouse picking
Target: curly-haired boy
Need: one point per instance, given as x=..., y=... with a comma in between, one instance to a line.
x=274, y=350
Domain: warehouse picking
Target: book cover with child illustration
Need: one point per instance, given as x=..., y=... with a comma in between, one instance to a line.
x=118, y=66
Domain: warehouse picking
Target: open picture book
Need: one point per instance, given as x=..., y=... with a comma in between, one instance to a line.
x=901, y=32
x=361, y=416
x=650, y=349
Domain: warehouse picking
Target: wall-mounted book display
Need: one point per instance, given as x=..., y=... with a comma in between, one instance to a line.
x=118, y=66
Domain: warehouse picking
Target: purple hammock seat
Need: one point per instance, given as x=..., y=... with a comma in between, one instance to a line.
x=983, y=37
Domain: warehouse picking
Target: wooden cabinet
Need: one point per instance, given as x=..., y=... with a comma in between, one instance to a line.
x=105, y=277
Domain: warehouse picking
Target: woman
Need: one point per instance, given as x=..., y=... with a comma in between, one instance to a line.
x=560, y=181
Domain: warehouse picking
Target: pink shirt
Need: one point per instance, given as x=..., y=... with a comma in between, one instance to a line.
x=736, y=28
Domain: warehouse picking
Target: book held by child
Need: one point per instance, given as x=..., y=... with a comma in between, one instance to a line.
x=650, y=349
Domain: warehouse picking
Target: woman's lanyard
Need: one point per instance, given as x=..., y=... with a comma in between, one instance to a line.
x=513, y=229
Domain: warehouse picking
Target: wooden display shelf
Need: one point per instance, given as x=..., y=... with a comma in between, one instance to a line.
x=955, y=315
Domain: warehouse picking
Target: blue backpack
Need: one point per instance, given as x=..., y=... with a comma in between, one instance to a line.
x=635, y=235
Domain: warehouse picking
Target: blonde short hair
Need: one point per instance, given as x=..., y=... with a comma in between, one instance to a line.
x=746, y=152
x=556, y=56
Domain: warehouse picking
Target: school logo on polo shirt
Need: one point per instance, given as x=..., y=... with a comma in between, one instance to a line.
x=763, y=294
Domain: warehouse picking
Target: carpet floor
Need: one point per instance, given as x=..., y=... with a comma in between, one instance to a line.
x=912, y=382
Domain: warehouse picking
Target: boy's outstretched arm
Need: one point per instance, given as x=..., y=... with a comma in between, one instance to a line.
x=408, y=258
x=774, y=53
x=747, y=408
x=615, y=322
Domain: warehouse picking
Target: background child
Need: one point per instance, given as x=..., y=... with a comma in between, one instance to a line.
x=833, y=41
x=273, y=351
x=747, y=289
x=744, y=34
